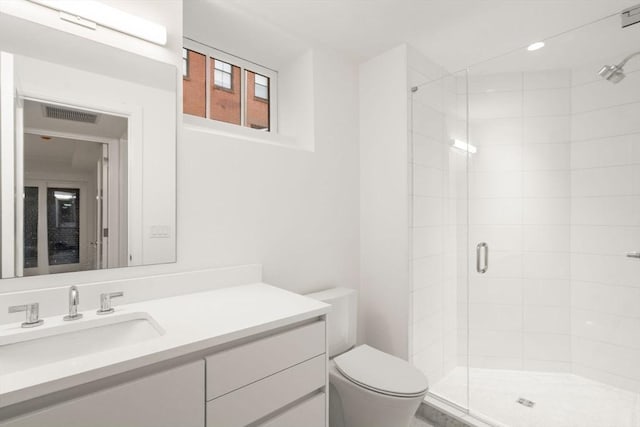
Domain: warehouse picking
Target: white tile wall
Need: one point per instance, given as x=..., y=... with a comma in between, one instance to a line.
x=498, y=131
x=605, y=207
x=547, y=130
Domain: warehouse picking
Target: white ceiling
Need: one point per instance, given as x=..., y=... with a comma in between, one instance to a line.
x=453, y=33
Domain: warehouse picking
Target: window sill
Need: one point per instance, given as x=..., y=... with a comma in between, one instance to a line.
x=200, y=124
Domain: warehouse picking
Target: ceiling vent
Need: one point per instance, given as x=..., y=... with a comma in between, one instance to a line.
x=54, y=112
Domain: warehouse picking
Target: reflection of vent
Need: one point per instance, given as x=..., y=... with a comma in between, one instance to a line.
x=73, y=115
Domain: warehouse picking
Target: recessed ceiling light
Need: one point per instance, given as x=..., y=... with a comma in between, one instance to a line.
x=535, y=46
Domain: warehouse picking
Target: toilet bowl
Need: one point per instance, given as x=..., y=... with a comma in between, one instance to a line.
x=367, y=387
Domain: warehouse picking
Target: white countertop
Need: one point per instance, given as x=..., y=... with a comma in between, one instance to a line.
x=191, y=323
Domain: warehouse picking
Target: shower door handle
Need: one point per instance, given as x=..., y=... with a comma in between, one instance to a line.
x=633, y=255
x=482, y=262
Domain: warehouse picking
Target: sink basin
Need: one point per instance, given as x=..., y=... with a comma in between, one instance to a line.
x=26, y=349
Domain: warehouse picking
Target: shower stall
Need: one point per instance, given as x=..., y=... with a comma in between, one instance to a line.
x=526, y=232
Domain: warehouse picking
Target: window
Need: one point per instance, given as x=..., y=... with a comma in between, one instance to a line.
x=194, y=86
x=237, y=91
x=257, y=108
x=225, y=96
x=261, y=87
x=63, y=226
x=222, y=74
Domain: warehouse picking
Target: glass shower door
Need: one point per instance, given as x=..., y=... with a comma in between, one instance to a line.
x=554, y=193
x=438, y=172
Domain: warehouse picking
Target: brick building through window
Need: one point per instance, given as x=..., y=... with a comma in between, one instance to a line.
x=224, y=85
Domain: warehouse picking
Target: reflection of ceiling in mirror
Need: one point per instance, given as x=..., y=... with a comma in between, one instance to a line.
x=65, y=153
x=106, y=126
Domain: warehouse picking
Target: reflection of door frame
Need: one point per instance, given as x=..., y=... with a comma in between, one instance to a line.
x=113, y=185
x=7, y=156
x=43, y=246
x=133, y=202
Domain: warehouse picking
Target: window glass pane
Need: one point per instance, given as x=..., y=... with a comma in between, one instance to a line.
x=194, y=84
x=63, y=225
x=262, y=80
x=262, y=92
x=222, y=74
x=225, y=93
x=257, y=108
x=222, y=66
x=30, y=227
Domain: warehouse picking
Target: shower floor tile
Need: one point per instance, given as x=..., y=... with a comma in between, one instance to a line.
x=560, y=399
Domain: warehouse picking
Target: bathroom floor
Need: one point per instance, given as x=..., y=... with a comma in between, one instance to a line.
x=560, y=400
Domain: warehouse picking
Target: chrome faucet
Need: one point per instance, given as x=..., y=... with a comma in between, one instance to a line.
x=74, y=301
x=105, y=302
x=33, y=313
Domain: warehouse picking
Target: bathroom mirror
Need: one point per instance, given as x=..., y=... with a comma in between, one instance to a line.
x=88, y=143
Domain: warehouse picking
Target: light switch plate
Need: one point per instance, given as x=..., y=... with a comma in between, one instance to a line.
x=160, y=232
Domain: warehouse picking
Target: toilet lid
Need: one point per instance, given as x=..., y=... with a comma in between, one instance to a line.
x=381, y=372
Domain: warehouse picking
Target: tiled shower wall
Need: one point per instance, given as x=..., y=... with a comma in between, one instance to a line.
x=519, y=184
x=605, y=225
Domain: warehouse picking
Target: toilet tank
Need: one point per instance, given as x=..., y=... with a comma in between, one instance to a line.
x=341, y=320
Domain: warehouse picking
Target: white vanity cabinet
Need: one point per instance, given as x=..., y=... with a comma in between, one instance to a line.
x=277, y=381
x=248, y=355
x=170, y=398
x=274, y=379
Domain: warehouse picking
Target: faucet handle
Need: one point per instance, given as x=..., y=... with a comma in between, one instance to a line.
x=105, y=302
x=32, y=312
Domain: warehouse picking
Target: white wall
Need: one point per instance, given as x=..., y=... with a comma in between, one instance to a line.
x=384, y=190
x=605, y=189
x=294, y=211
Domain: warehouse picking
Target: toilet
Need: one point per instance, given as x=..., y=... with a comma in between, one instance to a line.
x=367, y=387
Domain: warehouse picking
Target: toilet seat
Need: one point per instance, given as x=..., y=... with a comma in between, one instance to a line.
x=381, y=372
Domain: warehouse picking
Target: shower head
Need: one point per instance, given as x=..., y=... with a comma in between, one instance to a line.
x=615, y=73
x=612, y=73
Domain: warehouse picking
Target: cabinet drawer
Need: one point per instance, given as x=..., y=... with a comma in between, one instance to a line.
x=234, y=368
x=166, y=399
x=309, y=413
x=263, y=397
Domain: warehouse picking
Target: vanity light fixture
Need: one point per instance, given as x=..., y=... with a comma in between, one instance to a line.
x=535, y=46
x=90, y=12
x=461, y=145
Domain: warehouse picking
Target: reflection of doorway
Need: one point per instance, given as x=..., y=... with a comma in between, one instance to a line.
x=55, y=227
x=74, y=208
